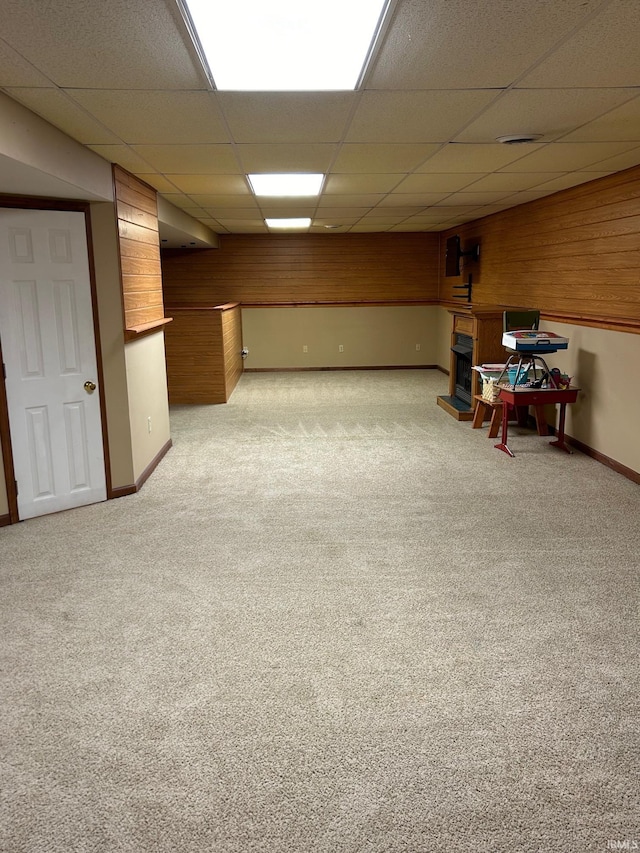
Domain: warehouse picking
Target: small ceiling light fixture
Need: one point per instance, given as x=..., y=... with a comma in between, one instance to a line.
x=519, y=138
x=288, y=184
x=284, y=45
x=289, y=224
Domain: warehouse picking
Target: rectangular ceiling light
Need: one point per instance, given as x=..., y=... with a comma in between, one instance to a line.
x=288, y=184
x=286, y=45
x=289, y=224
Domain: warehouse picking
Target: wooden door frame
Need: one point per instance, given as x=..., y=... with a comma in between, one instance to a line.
x=33, y=203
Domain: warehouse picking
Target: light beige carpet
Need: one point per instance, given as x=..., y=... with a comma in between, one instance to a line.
x=334, y=620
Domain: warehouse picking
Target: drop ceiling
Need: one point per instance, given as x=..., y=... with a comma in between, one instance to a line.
x=413, y=150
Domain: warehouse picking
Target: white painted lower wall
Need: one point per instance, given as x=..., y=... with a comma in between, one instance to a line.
x=603, y=365
x=371, y=336
x=148, y=400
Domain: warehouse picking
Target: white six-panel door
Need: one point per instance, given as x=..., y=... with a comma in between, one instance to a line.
x=48, y=347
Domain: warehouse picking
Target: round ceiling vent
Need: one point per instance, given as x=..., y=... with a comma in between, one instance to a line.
x=519, y=138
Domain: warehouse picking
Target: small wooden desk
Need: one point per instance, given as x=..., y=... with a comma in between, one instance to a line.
x=514, y=397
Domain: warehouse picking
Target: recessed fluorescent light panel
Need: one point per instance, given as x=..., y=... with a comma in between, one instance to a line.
x=288, y=184
x=289, y=224
x=286, y=45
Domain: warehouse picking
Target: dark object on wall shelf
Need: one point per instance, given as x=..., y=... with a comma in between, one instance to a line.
x=466, y=287
x=454, y=253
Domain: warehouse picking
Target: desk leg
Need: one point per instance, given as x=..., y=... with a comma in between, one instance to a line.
x=560, y=442
x=505, y=426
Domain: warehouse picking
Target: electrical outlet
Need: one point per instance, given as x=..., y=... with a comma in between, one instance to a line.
x=340, y=348
x=305, y=348
x=417, y=347
x=148, y=424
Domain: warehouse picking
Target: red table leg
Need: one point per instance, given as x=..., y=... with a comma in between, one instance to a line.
x=505, y=426
x=560, y=442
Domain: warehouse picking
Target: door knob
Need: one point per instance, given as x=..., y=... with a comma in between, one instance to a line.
x=89, y=386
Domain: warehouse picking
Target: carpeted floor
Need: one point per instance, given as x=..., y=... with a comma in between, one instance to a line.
x=335, y=620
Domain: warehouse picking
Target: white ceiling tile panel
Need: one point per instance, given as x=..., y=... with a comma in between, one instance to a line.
x=455, y=44
x=550, y=112
x=160, y=182
x=15, y=70
x=414, y=199
x=60, y=110
x=155, y=117
x=203, y=184
x=127, y=158
x=448, y=182
x=616, y=163
x=604, y=52
x=568, y=156
x=190, y=159
x=621, y=123
x=384, y=158
x=468, y=157
x=360, y=183
x=511, y=181
x=120, y=44
x=263, y=117
x=314, y=158
x=416, y=116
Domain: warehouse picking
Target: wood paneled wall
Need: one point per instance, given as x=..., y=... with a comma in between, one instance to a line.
x=575, y=255
x=203, y=353
x=137, y=212
x=305, y=268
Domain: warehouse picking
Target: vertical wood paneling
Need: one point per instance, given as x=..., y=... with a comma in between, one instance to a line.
x=575, y=255
x=137, y=213
x=305, y=268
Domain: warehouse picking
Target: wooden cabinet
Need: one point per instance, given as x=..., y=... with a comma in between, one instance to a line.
x=476, y=338
x=203, y=347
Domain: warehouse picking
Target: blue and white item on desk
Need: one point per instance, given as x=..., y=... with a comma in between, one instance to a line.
x=531, y=340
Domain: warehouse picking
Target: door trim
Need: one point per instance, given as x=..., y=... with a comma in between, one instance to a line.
x=33, y=203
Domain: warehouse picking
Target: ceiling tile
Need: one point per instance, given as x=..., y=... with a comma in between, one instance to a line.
x=472, y=198
x=121, y=44
x=415, y=116
x=15, y=70
x=616, y=163
x=570, y=180
x=383, y=158
x=511, y=181
x=204, y=184
x=190, y=159
x=360, y=183
x=619, y=124
x=567, y=156
x=125, y=157
x=414, y=199
x=604, y=52
x=550, y=112
x=156, y=117
x=237, y=212
x=445, y=44
x=469, y=157
x=447, y=183
x=244, y=226
x=284, y=211
x=289, y=117
x=158, y=181
x=220, y=201
x=286, y=158
x=338, y=200
x=58, y=109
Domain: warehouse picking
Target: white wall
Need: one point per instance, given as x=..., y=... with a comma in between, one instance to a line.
x=148, y=399
x=372, y=336
x=603, y=365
